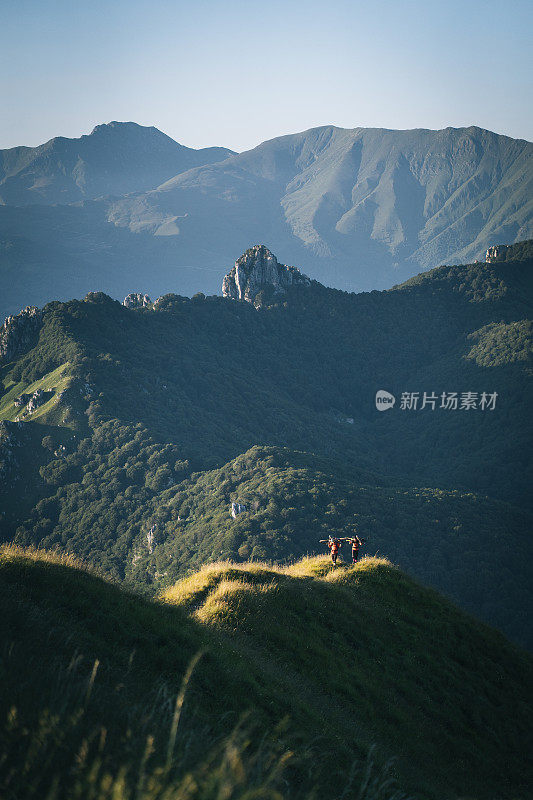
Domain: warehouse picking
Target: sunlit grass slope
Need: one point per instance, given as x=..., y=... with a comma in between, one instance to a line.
x=389, y=660
x=327, y=663
x=53, y=384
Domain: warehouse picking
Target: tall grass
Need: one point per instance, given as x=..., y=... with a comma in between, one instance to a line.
x=63, y=754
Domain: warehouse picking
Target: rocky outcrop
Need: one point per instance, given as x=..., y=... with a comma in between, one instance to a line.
x=520, y=251
x=38, y=398
x=18, y=332
x=237, y=509
x=256, y=270
x=496, y=253
x=32, y=401
x=137, y=300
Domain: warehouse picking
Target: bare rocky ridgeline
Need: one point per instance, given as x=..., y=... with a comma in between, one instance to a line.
x=18, y=331
x=256, y=270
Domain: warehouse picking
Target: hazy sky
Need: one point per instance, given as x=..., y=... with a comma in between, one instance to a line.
x=234, y=73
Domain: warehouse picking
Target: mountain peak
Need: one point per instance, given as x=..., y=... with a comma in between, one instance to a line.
x=258, y=269
x=116, y=158
x=105, y=127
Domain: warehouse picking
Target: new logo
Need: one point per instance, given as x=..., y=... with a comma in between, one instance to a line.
x=384, y=400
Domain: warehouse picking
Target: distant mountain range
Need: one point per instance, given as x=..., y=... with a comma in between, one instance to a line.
x=114, y=159
x=127, y=207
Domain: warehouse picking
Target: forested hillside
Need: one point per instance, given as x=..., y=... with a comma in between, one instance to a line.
x=151, y=421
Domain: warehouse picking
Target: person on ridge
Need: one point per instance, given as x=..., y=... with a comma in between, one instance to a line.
x=334, y=545
x=356, y=543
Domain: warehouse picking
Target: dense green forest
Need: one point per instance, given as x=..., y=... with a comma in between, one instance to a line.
x=302, y=683
x=156, y=419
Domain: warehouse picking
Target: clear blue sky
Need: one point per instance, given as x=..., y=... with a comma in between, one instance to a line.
x=237, y=72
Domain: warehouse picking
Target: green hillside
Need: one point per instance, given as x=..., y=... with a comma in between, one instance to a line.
x=294, y=499
x=165, y=415
x=323, y=664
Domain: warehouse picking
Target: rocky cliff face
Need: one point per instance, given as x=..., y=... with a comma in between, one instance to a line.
x=18, y=332
x=137, y=300
x=496, y=253
x=256, y=270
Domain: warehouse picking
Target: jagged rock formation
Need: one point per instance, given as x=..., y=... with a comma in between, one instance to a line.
x=137, y=300
x=495, y=253
x=17, y=332
x=519, y=251
x=259, y=269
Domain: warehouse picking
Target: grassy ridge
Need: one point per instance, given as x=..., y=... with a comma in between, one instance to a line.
x=356, y=637
x=294, y=499
x=348, y=658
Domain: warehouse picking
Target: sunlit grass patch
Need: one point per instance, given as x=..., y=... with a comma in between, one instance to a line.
x=190, y=590
x=15, y=553
x=309, y=567
x=57, y=381
x=349, y=573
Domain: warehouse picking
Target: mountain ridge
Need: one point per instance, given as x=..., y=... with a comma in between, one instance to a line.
x=68, y=170
x=360, y=208
x=310, y=146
